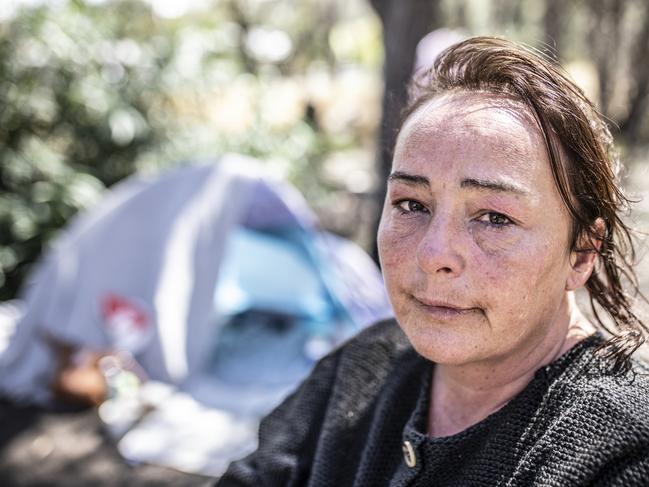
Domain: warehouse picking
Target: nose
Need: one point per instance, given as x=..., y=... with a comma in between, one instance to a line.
x=440, y=251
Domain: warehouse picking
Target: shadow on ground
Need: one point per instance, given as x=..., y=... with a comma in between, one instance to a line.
x=69, y=448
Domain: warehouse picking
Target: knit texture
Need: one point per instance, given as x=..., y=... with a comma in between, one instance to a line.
x=345, y=425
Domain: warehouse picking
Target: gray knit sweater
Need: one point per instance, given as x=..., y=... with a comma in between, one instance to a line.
x=360, y=419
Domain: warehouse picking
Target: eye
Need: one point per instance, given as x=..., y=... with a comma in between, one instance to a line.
x=496, y=220
x=410, y=206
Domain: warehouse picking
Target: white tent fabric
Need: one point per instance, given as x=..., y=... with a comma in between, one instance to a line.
x=139, y=271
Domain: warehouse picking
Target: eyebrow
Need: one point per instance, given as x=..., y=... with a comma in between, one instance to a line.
x=497, y=186
x=411, y=179
x=480, y=184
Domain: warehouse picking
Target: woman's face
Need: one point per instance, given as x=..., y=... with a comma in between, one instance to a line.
x=474, y=236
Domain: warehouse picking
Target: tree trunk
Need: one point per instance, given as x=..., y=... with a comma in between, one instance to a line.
x=553, y=23
x=405, y=22
x=639, y=96
x=605, y=38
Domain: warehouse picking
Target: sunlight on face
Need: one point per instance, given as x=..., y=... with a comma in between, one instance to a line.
x=474, y=235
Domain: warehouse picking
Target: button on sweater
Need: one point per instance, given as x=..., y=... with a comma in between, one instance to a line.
x=360, y=420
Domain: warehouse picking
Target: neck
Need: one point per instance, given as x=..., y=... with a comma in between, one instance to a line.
x=463, y=395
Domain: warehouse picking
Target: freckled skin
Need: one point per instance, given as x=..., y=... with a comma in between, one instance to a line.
x=514, y=279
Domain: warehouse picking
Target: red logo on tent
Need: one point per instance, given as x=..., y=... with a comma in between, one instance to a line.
x=117, y=307
x=126, y=322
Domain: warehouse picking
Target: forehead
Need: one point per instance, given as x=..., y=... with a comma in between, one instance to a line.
x=488, y=129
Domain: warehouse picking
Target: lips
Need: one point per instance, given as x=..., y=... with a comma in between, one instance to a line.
x=444, y=309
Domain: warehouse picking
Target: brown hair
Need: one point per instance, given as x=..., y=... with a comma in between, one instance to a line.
x=586, y=175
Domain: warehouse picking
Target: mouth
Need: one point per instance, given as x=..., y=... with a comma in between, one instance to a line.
x=444, y=309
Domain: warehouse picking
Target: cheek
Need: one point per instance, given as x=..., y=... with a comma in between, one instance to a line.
x=495, y=243
x=517, y=284
x=397, y=254
x=397, y=242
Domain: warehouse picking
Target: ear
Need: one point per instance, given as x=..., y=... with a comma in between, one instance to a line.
x=583, y=259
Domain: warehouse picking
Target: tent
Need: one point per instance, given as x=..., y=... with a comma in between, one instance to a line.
x=215, y=277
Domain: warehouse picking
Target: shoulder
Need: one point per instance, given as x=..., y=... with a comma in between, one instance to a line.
x=385, y=334
x=374, y=351
x=610, y=421
x=615, y=399
x=370, y=366
x=591, y=428
x=583, y=376
x=365, y=359
x=328, y=411
x=594, y=411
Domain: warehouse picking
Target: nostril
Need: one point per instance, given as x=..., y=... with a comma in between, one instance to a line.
x=445, y=270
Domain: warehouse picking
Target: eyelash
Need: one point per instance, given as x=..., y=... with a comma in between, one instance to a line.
x=496, y=226
x=422, y=209
x=399, y=206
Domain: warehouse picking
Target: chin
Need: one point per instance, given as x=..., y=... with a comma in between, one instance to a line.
x=444, y=347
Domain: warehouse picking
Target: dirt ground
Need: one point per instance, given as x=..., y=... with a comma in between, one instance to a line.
x=69, y=448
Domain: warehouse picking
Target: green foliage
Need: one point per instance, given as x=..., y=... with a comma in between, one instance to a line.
x=91, y=92
x=74, y=116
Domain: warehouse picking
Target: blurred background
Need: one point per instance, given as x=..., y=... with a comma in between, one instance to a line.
x=92, y=91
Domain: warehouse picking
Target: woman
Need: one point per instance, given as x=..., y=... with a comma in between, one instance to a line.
x=502, y=202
